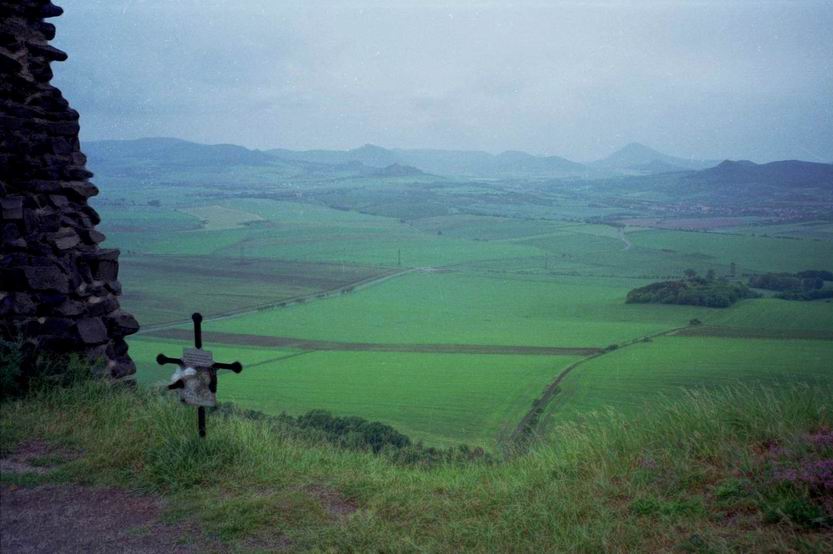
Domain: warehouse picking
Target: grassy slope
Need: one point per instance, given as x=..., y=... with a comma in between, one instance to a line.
x=709, y=473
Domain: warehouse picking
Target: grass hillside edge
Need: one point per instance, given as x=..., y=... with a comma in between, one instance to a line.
x=739, y=468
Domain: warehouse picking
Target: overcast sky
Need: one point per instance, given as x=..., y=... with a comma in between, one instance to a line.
x=723, y=79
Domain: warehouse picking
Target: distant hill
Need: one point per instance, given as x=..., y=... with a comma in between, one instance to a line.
x=522, y=163
x=397, y=170
x=470, y=163
x=642, y=167
x=174, y=159
x=733, y=183
x=787, y=173
x=172, y=152
x=640, y=158
x=657, y=167
x=369, y=155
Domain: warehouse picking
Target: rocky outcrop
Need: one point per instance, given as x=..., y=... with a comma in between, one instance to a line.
x=58, y=288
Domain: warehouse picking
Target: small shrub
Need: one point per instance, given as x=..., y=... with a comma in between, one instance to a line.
x=18, y=378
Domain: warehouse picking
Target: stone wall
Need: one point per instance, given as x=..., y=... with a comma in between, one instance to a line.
x=58, y=288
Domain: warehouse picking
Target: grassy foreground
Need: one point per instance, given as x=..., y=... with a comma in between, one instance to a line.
x=747, y=469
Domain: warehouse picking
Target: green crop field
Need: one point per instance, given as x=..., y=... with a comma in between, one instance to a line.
x=441, y=399
x=440, y=306
x=750, y=253
x=467, y=308
x=820, y=230
x=155, y=284
x=219, y=217
x=772, y=313
x=631, y=378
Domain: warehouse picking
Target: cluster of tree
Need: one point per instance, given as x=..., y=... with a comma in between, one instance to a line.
x=694, y=291
x=357, y=433
x=804, y=285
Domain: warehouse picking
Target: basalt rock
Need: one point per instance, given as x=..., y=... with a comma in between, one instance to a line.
x=58, y=290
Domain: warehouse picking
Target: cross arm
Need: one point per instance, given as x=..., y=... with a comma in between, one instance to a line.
x=162, y=359
x=234, y=366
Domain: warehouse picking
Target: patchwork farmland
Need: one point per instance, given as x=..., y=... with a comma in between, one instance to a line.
x=456, y=311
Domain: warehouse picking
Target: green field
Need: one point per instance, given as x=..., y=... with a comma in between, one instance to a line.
x=425, y=304
x=216, y=218
x=155, y=285
x=631, y=379
x=750, y=253
x=468, y=308
x=441, y=399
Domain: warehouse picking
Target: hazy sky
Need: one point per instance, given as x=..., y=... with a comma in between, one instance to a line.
x=722, y=79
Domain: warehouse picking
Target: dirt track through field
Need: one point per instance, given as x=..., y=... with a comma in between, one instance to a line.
x=325, y=345
x=531, y=421
x=754, y=333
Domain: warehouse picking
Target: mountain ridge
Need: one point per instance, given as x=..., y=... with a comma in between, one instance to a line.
x=373, y=160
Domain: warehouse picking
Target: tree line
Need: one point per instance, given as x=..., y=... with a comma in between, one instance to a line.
x=803, y=285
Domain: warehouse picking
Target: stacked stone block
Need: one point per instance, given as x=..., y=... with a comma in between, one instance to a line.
x=58, y=288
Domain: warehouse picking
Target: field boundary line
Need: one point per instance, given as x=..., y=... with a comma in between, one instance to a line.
x=275, y=304
x=752, y=333
x=313, y=345
x=528, y=425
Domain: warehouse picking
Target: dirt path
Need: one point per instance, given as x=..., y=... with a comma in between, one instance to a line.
x=70, y=518
x=531, y=420
x=754, y=333
x=312, y=345
x=60, y=517
x=73, y=518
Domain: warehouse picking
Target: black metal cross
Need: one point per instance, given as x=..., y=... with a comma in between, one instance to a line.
x=195, y=368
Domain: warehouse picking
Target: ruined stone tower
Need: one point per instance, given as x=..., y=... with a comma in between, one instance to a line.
x=58, y=288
